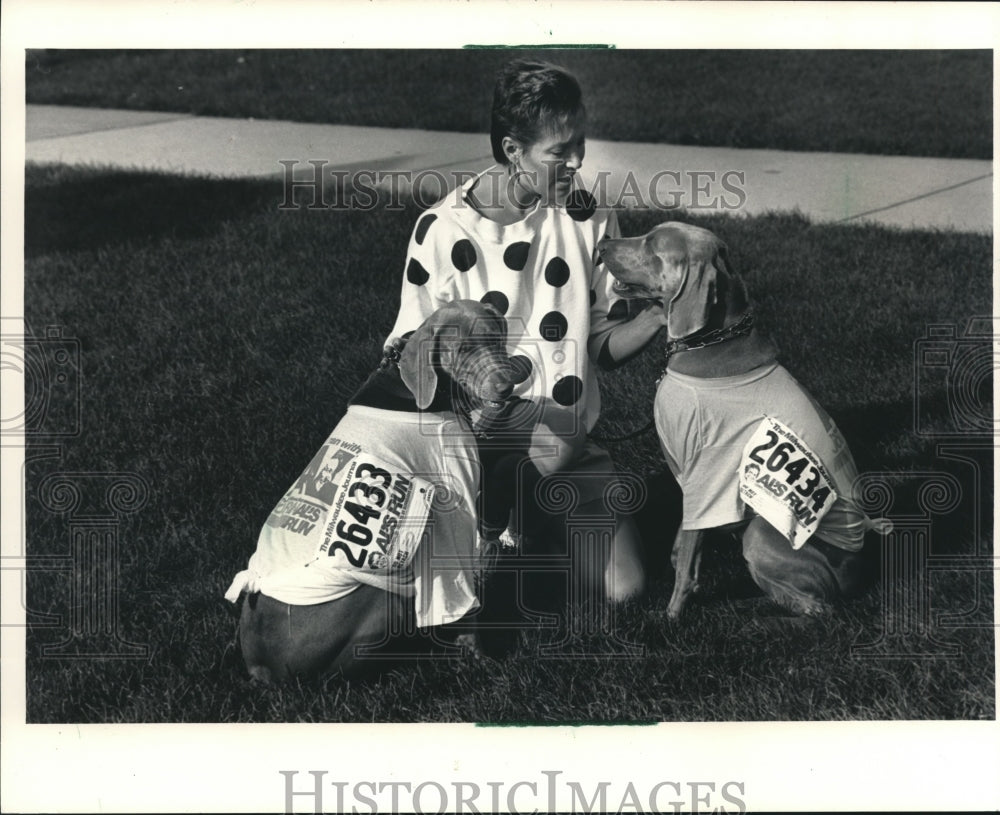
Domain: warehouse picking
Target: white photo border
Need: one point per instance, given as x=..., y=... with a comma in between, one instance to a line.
x=237, y=768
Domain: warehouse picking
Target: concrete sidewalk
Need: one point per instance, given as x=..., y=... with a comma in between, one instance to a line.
x=826, y=187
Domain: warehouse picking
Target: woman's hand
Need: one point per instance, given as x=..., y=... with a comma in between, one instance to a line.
x=628, y=338
x=655, y=311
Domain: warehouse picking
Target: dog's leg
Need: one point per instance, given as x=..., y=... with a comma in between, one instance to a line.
x=686, y=558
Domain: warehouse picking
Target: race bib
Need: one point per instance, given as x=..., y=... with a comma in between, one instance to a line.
x=356, y=508
x=784, y=482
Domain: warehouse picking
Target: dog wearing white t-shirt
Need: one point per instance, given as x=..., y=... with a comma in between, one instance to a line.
x=349, y=545
x=742, y=437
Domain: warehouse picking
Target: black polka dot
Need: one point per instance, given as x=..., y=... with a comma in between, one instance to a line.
x=516, y=255
x=416, y=273
x=422, y=227
x=556, y=272
x=619, y=310
x=593, y=297
x=497, y=299
x=581, y=205
x=567, y=391
x=553, y=326
x=522, y=368
x=463, y=255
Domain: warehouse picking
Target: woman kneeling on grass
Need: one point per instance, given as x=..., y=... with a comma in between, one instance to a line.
x=522, y=236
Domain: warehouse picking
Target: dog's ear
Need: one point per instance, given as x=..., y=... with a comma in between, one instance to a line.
x=688, y=310
x=418, y=364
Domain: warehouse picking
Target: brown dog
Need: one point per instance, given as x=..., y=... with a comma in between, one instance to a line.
x=379, y=532
x=742, y=437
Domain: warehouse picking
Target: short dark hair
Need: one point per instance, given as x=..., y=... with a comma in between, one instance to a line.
x=527, y=95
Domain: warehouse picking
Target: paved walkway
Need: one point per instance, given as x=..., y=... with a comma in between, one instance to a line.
x=827, y=187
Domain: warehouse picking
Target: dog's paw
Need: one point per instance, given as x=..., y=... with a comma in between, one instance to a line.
x=511, y=542
x=676, y=609
x=816, y=609
x=469, y=645
x=800, y=604
x=489, y=549
x=261, y=675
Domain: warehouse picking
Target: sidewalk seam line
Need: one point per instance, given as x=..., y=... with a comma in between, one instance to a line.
x=914, y=198
x=111, y=129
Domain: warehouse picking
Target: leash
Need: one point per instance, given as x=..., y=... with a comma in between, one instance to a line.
x=616, y=439
x=740, y=328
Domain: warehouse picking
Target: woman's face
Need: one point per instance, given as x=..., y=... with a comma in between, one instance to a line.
x=549, y=164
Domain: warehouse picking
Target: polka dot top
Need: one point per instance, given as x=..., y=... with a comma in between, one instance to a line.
x=542, y=273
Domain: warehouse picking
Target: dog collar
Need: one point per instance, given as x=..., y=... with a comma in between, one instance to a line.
x=740, y=328
x=391, y=354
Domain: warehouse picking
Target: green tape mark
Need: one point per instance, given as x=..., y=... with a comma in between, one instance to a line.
x=572, y=46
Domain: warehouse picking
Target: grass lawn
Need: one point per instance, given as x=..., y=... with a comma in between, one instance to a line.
x=219, y=341
x=917, y=103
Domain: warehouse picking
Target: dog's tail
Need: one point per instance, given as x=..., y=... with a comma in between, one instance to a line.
x=881, y=525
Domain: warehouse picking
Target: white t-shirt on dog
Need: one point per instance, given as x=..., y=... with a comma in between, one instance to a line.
x=346, y=521
x=704, y=426
x=542, y=273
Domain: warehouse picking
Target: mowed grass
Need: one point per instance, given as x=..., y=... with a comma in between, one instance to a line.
x=916, y=103
x=220, y=339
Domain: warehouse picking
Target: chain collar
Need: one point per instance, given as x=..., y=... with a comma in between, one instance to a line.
x=391, y=354
x=740, y=328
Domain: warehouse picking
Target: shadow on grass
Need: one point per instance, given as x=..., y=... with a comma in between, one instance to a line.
x=217, y=362
x=72, y=210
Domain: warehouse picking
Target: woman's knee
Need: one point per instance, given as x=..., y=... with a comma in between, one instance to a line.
x=552, y=454
x=555, y=445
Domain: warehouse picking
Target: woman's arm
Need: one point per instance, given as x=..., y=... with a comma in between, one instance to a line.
x=626, y=339
x=615, y=336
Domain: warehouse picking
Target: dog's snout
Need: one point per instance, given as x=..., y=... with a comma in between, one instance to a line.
x=499, y=389
x=498, y=385
x=609, y=249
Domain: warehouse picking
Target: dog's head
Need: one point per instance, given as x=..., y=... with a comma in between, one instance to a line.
x=680, y=264
x=462, y=347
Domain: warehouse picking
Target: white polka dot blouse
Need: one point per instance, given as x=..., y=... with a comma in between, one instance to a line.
x=542, y=273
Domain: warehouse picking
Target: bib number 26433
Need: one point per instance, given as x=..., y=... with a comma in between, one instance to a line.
x=380, y=518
